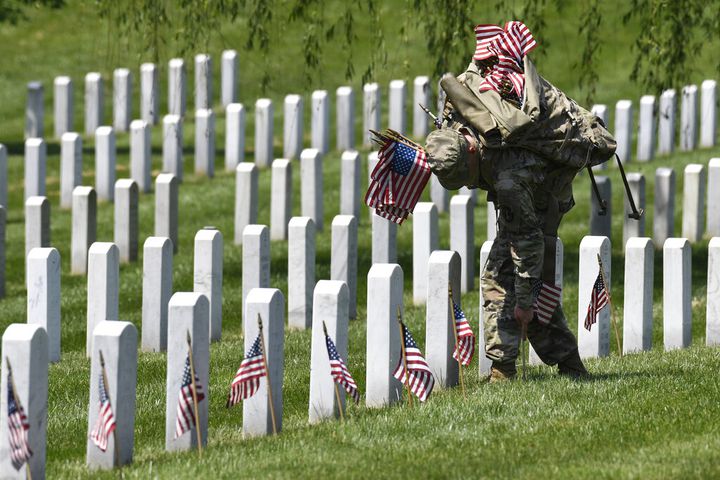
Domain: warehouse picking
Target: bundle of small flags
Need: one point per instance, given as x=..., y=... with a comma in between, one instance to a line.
x=399, y=177
x=339, y=371
x=18, y=427
x=547, y=298
x=105, y=423
x=413, y=371
x=465, y=348
x=185, y=408
x=247, y=378
x=598, y=299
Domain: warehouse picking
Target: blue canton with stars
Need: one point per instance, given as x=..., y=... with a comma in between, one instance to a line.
x=403, y=159
x=331, y=349
x=255, y=349
x=409, y=340
x=459, y=314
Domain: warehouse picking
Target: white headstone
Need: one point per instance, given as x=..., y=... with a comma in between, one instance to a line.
x=666, y=122
x=708, y=113
x=205, y=143
x=600, y=225
x=173, y=145
x=384, y=240
x=293, y=126
x=398, y=93
x=301, y=271
x=122, y=99
x=157, y=290
x=688, y=118
x=624, y=129
x=34, y=111
x=166, y=208
x=344, y=256
x=229, y=77
x=384, y=297
x=646, y=129
x=350, y=183
x=462, y=236
x=320, y=121
x=345, y=126
x=426, y=240
x=37, y=223
x=371, y=111
x=712, y=326
x=25, y=348
x=188, y=314
x=601, y=111
x=63, y=103
x=177, y=87
x=280, y=199
x=103, y=287
x=117, y=342
x=596, y=341
x=713, y=197
x=443, y=271
x=638, y=303
x=105, y=160
x=43, y=295
x=246, y=198
x=70, y=166
x=255, y=259
x=84, y=227
x=140, y=154
x=664, y=214
x=270, y=305
x=93, y=102
x=208, y=275
x=372, y=159
x=631, y=226
x=439, y=196
x=491, y=221
x=203, y=82
x=126, y=219
x=470, y=192
x=694, y=202
x=677, y=293
x=149, y=94
x=421, y=95
x=234, y=136
x=330, y=307
x=311, y=186
x=263, y=132
x=35, y=167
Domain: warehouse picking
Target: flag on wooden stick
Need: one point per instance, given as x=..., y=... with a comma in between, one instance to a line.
x=185, y=408
x=339, y=371
x=105, y=423
x=247, y=378
x=547, y=298
x=413, y=370
x=465, y=347
x=18, y=426
x=598, y=300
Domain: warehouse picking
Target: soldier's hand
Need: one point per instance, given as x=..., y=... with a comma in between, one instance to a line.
x=523, y=317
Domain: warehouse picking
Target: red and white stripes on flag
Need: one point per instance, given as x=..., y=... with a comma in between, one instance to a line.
x=105, y=422
x=247, y=378
x=339, y=371
x=18, y=427
x=547, y=299
x=598, y=299
x=418, y=375
x=465, y=348
x=185, y=409
x=507, y=47
x=398, y=179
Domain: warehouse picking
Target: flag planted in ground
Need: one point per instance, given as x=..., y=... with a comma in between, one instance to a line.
x=598, y=300
x=247, y=378
x=547, y=298
x=339, y=371
x=185, y=408
x=465, y=347
x=105, y=423
x=18, y=427
x=413, y=370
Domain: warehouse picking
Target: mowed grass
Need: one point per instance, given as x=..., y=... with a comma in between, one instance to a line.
x=651, y=415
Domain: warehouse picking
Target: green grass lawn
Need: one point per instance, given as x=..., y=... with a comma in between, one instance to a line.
x=652, y=415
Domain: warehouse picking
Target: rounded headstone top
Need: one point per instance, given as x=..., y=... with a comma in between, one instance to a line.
x=344, y=220
x=263, y=295
x=147, y=67
x=293, y=98
x=234, y=108
x=263, y=103
x=689, y=89
x=176, y=62
x=309, y=153
x=344, y=90
x=36, y=201
x=43, y=253
x=422, y=80
x=104, y=130
x=319, y=94
x=171, y=119
x=93, y=77
x=624, y=104
x=23, y=332
x=63, y=80
x=103, y=248
x=694, y=168
x=202, y=57
x=34, y=142
x=246, y=167
x=639, y=243
x=279, y=163
x=397, y=84
x=230, y=54
x=676, y=244
x=350, y=155
x=371, y=87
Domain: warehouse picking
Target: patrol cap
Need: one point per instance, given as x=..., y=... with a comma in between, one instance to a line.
x=447, y=151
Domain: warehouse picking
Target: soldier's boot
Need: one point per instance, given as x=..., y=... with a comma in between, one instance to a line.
x=501, y=372
x=573, y=367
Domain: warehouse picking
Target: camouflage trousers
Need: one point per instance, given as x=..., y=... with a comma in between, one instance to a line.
x=553, y=342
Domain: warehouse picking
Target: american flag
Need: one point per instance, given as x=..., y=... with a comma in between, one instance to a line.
x=247, y=378
x=185, y=411
x=339, y=370
x=598, y=299
x=547, y=298
x=419, y=378
x=105, y=423
x=465, y=348
x=399, y=177
x=18, y=427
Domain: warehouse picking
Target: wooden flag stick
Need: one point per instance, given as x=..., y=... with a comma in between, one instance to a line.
x=18, y=405
x=612, y=313
x=196, y=413
x=107, y=392
x=457, y=340
x=404, y=358
x=267, y=375
x=337, y=392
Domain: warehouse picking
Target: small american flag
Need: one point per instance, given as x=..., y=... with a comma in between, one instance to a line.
x=419, y=378
x=185, y=411
x=398, y=179
x=547, y=298
x=105, y=423
x=18, y=427
x=339, y=370
x=465, y=348
x=598, y=299
x=247, y=378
